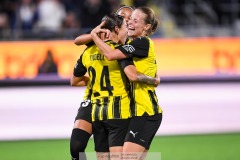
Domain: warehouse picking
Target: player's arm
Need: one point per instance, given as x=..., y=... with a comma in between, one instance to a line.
x=137, y=48
x=79, y=81
x=83, y=39
x=78, y=78
x=109, y=53
x=135, y=76
x=86, y=39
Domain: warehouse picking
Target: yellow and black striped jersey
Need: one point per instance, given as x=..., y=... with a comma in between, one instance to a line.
x=144, y=99
x=80, y=71
x=108, y=84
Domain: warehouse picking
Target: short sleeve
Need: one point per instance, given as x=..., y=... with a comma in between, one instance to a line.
x=79, y=69
x=137, y=48
x=125, y=62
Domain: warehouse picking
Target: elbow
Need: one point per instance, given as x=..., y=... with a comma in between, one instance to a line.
x=132, y=77
x=72, y=83
x=76, y=42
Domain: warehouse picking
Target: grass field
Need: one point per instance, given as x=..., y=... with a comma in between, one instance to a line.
x=187, y=147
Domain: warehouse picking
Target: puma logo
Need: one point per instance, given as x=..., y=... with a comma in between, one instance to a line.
x=134, y=134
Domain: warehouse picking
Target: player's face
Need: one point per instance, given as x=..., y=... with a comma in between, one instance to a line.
x=122, y=34
x=136, y=24
x=125, y=13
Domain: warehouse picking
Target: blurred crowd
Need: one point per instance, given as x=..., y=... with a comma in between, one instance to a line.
x=66, y=19
x=49, y=18
x=198, y=12
x=206, y=18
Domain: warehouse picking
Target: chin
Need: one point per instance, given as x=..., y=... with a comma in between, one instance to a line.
x=130, y=34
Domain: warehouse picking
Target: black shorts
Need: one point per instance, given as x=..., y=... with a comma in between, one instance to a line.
x=85, y=111
x=109, y=133
x=142, y=129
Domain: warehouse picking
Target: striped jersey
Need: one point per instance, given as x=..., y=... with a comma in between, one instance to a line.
x=108, y=83
x=144, y=100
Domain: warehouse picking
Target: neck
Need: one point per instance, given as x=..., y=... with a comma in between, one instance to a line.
x=142, y=35
x=114, y=38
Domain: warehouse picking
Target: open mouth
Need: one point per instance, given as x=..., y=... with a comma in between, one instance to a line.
x=131, y=28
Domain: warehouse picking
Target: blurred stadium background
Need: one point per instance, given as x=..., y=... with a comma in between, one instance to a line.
x=198, y=56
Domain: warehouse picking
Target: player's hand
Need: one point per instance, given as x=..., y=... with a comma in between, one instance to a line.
x=105, y=35
x=101, y=32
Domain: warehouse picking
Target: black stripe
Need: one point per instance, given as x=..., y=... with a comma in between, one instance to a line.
x=132, y=100
x=97, y=110
x=156, y=109
x=105, y=107
x=96, y=94
x=89, y=94
x=153, y=100
x=116, y=107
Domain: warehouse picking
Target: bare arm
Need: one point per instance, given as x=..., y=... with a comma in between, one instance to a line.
x=147, y=79
x=83, y=39
x=109, y=53
x=135, y=76
x=86, y=38
x=79, y=81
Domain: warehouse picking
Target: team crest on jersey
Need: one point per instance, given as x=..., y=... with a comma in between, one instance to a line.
x=129, y=48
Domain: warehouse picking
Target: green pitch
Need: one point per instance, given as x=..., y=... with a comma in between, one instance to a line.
x=187, y=147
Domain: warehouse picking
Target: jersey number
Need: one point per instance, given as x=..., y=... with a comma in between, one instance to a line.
x=105, y=84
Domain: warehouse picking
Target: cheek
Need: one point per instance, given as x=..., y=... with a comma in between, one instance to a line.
x=123, y=36
x=138, y=29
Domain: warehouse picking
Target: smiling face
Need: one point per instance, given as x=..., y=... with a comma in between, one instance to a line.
x=118, y=27
x=137, y=26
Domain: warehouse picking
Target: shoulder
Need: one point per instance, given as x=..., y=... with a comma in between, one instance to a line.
x=112, y=44
x=140, y=41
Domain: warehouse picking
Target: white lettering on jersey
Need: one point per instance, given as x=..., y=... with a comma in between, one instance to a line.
x=129, y=48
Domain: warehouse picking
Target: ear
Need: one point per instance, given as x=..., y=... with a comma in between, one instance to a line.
x=116, y=29
x=147, y=27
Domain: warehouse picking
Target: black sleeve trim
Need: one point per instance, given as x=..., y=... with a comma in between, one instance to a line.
x=89, y=44
x=79, y=69
x=125, y=62
x=137, y=48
